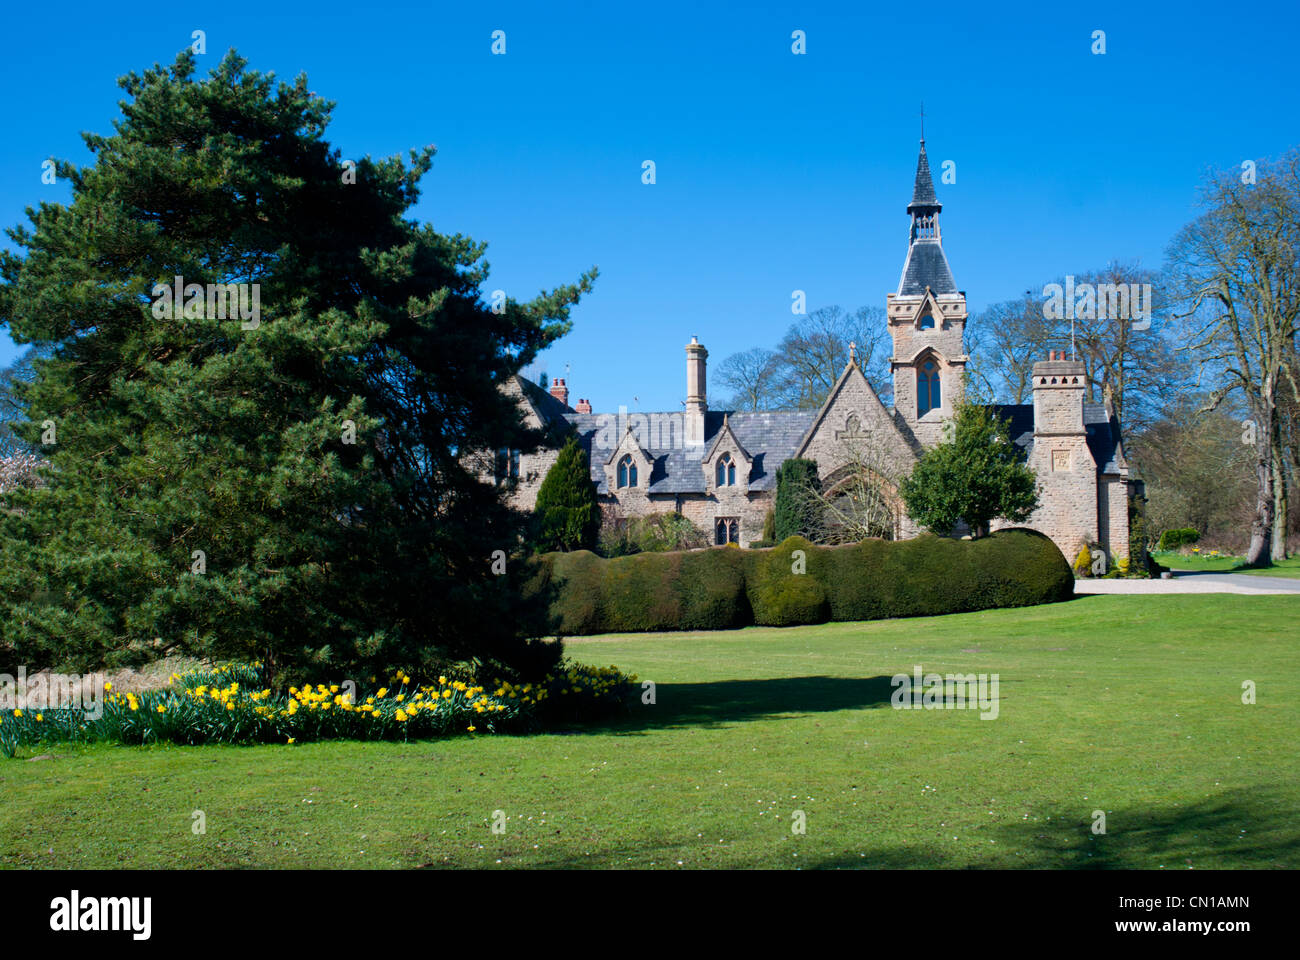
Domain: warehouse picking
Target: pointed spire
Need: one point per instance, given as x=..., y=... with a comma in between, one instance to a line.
x=926, y=268
x=923, y=198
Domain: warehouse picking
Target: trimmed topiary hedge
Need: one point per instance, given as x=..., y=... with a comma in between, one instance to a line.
x=719, y=589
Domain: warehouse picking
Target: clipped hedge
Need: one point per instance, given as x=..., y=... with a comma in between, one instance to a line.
x=718, y=589
x=1178, y=538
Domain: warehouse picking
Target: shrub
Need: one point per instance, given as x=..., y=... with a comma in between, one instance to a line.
x=976, y=474
x=796, y=510
x=1083, y=562
x=719, y=589
x=656, y=533
x=1178, y=538
x=780, y=597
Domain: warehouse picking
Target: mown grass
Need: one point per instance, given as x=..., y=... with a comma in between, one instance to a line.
x=1178, y=561
x=1126, y=704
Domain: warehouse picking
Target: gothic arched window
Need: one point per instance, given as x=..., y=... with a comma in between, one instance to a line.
x=927, y=388
x=927, y=322
x=627, y=472
x=725, y=473
x=726, y=530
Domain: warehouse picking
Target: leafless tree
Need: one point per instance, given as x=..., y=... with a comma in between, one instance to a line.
x=799, y=373
x=750, y=376
x=859, y=499
x=1235, y=268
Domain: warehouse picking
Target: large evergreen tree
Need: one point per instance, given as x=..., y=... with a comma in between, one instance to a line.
x=976, y=474
x=797, y=511
x=567, y=514
x=293, y=486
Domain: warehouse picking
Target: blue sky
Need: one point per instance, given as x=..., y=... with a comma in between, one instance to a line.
x=775, y=172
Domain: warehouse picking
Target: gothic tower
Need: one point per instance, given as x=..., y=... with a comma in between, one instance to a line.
x=927, y=320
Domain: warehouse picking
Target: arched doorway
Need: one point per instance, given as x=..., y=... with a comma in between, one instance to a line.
x=859, y=504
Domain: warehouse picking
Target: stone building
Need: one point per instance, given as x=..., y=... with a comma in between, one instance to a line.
x=718, y=468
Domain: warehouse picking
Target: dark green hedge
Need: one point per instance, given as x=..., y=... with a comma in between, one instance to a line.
x=1180, y=537
x=722, y=588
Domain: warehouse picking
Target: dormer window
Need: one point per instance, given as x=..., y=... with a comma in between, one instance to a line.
x=627, y=472
x=927, y=388
x=725, y=473
x=927, y=322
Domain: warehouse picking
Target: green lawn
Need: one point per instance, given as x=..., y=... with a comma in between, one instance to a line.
x=1177, y=561
x=1127, y=704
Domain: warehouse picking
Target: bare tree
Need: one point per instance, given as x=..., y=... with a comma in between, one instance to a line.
x=750, y=376
x=1123, y=341
x=816, y=348
x=859, y=499
x=1004, y=342
x=799, y=373
x=1198, y=472
x=1235, y=267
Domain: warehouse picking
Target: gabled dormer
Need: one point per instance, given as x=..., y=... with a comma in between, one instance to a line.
x=628, y=468
x=726, y=464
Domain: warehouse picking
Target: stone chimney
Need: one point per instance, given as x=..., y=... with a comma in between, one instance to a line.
x=584, y=406
x=1061, y=460
x=696, y=392
x=559, y=391
x=1059, y=389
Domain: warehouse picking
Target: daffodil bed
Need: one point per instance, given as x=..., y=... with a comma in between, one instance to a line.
x=228, y=704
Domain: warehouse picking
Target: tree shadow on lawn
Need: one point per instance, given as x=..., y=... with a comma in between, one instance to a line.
x=1254, y=829
x=733, y=701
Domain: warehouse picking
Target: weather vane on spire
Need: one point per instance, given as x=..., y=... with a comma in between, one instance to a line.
x=923, y=121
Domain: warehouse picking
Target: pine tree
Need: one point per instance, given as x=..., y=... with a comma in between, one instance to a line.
x=977, y=475
x=290, y=484
x=568, y=516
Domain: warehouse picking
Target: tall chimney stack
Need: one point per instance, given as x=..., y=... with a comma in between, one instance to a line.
x=584, y=406
x=559, y=391
x=696, y=386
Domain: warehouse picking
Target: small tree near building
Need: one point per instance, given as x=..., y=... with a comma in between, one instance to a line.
x=797, y=511
x=977, y=475
x=568, y=517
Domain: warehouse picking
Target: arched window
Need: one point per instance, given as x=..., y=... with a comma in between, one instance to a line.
x=927, y=388
x=927, y=322
x=627, y=472
x=725, y=473
x=726, y=530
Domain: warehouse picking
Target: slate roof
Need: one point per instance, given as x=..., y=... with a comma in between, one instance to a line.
x=926, y=266
x=923, y=190
x=1103, y=431
x=769, y=437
